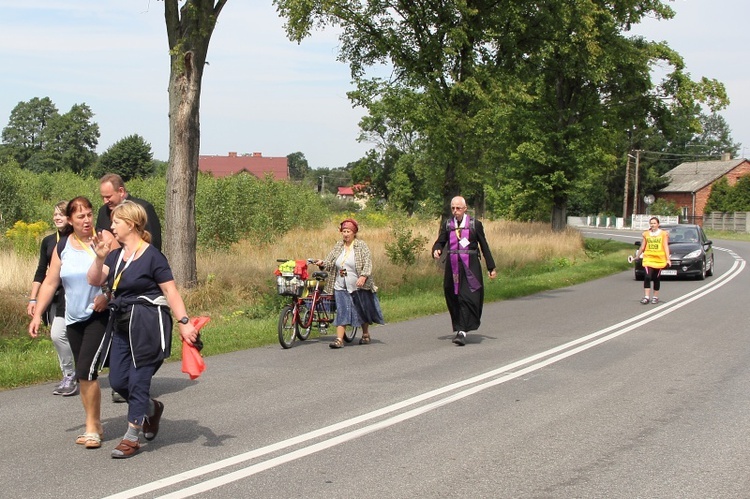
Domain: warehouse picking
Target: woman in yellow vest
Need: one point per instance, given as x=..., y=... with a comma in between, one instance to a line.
x=655, y=252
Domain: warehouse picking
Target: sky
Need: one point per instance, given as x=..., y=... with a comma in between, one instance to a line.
x=262, y=92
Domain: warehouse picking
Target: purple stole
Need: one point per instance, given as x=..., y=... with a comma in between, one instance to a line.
x=454, y=248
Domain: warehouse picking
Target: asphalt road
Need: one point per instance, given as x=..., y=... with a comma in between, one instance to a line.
x=581, y=392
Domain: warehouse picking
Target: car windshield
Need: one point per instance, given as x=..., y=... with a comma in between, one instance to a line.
x=679, y=235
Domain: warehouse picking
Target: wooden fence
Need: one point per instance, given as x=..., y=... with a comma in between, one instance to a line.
x=737, y=221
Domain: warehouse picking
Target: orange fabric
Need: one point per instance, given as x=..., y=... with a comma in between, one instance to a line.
x=192, y=361
x=300, y=268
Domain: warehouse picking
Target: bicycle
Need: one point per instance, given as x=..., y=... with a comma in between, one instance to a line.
x=308, y=305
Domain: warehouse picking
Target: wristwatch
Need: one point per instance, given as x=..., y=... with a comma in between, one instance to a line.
x=184, y=320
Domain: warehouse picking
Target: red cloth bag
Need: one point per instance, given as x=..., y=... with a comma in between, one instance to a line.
x=192, y=361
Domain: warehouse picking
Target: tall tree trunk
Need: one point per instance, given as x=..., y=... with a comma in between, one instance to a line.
x=182, y=176
x=189, y=31
x=559, y=216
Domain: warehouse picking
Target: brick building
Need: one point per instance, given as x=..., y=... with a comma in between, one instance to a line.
x=690, y=184
x=354, y=193
x=255, y=163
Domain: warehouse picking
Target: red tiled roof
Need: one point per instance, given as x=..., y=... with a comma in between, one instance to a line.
x=346, y=191
x=221, y=166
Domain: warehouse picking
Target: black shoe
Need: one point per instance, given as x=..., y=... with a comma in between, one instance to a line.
x=460, y=339
x=117, y=398
x=151, y=423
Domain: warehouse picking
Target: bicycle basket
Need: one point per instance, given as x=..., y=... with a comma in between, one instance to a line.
x=290, y=286
x=326, y=301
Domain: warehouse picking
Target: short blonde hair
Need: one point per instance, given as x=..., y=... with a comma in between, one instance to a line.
x=134, y=213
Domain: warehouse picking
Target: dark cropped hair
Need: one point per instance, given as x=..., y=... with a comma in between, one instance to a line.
x=75, y=205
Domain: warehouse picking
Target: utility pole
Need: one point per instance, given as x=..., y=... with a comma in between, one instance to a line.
x=635, y=181
x=321, y=184
x=625, y=196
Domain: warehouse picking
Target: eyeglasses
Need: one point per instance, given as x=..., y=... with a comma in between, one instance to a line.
x=459, y=208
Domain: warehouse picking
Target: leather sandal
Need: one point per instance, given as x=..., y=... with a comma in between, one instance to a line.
x=365, y=340
x=84, y=437
x=337, y=343
x=93, y=441
x=125, y=449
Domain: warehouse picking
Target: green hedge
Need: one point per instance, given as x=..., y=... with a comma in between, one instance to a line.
x=228, y=209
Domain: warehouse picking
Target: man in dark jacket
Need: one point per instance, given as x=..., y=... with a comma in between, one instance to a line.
x=113, y=192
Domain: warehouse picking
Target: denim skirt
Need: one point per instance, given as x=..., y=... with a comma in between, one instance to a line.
x=346, y=314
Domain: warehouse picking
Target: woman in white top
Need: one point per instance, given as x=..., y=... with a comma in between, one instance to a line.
x=85, y=311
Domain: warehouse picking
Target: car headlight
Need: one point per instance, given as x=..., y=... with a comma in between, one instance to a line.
x=692, y=254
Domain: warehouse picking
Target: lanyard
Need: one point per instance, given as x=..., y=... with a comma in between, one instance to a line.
x=85, y=246
x=127, y=263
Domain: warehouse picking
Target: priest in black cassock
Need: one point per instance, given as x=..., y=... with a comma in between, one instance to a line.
x=461, y=244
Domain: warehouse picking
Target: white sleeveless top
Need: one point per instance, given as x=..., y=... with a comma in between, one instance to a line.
x=79, y=294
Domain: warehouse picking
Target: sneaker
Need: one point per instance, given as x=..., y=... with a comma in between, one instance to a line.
x=70, y=388
x=460, y=339
x=654, y=300
x=645, y=301
x=59, y=387
x=117, y=398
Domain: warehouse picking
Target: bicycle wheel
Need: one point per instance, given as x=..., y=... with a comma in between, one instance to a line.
x=303, y=332
x=350, y=333
x=287, y=326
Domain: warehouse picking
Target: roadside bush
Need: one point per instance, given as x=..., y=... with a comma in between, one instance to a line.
x=338, y=205
x=237, y=207
x=152, y=189
x=664, y=208
x=51, y=188
x=405, y=247
x=26, y=238
x=15, y=186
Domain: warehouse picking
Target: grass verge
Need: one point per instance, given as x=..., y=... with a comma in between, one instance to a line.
x=25, y=361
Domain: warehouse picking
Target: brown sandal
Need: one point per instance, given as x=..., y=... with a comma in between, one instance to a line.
x=365, y=340
x=126, y=448
x=337, y=343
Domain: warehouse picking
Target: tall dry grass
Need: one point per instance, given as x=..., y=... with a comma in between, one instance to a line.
x=16, y=272
x=246, y=271
x=242, y=278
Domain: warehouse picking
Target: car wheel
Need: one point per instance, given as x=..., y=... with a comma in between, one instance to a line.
x=702, y=275
x=710, y=269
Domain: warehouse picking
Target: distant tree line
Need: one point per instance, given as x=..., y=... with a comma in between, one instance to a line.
x=42, y=140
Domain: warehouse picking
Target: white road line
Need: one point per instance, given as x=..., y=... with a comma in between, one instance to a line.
x=481, y=382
